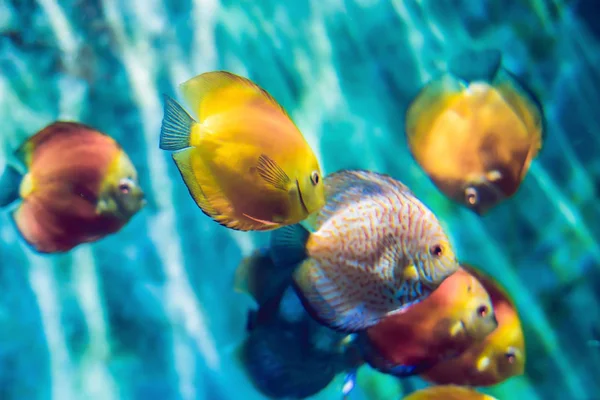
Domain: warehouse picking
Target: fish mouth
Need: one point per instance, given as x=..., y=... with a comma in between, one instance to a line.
x=301, y=198
x=459, y=329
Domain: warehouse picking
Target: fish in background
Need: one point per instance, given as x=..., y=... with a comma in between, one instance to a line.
x=475, y=130
x=77, y=186
x=244, y=161
x=376, y=250
x=448, y=392
x=499, y=356
x=287, y=354
x=456, y=315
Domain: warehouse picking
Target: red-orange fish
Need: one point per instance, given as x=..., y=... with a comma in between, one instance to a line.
x=500, y=356
x=449, y=392
x=456, y=315
x=79, y=186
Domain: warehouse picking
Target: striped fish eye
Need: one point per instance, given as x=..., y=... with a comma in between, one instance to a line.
x=436, y=250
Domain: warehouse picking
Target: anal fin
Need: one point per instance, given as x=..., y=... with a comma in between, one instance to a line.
x=327, y=303
x=209, y=196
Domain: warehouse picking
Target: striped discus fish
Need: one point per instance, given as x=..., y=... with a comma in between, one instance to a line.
x=376, y=250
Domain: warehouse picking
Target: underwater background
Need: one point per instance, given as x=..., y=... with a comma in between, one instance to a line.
x=150, y=312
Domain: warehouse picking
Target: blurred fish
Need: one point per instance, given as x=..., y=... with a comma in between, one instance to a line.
x=500, y=356
x=449, y=392
x=258, y=277
x=245, y=163
x=456, y=315
x=78, y=186
x=475, y=140
x=376, y=250
x=296, y=358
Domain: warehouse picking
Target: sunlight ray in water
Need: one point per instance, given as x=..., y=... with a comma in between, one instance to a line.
x=45, y=287
x=569, y=212
x=345, y=71
x=182, y=304
x=97, y=380
x=62, y=29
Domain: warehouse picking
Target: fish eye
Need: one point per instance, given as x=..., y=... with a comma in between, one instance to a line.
x=510, y=357
x=482, y=311
x=125, y=185
x=471, y=196
x=436, y=250
x=314, y=178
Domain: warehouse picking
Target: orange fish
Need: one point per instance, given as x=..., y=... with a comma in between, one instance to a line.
x=498, y=357
x=78, y=186
x=449, y=392
x=456, y=315
x=475, y=139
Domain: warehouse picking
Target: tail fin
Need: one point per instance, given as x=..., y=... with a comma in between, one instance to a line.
x=176, y=126
x=476, y=65
x=288, y=245
x=9, y=185
x=259, y=277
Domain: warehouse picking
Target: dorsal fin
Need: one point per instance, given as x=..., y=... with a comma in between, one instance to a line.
x=23, y=153
x=218, y=91
x=429, y=103
x=476, y=65
x=347, y=186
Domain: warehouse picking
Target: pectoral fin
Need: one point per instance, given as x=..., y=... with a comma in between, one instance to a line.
x=272, y=173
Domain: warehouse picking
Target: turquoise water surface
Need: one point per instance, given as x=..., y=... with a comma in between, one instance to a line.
x=150, y=312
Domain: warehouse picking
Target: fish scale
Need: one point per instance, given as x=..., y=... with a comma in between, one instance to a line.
x=369, y=255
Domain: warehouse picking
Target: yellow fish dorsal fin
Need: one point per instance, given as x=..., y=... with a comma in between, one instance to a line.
x=429, y=103
x=214, y=92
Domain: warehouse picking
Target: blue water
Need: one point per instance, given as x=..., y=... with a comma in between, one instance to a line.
x=149, y=313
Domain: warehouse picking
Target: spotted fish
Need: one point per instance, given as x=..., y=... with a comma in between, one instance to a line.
x=375, y=250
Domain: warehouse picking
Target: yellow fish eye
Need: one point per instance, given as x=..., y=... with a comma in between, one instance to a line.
x=482, y=311
x=511, y=357
x=471, y=196
x=314, y=178
x=125, y=185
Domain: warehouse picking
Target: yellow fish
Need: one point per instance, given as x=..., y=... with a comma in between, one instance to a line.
x=376, y=250
x=498, y=357
x=244, y=161
x=448, y=392
x=475, y=140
